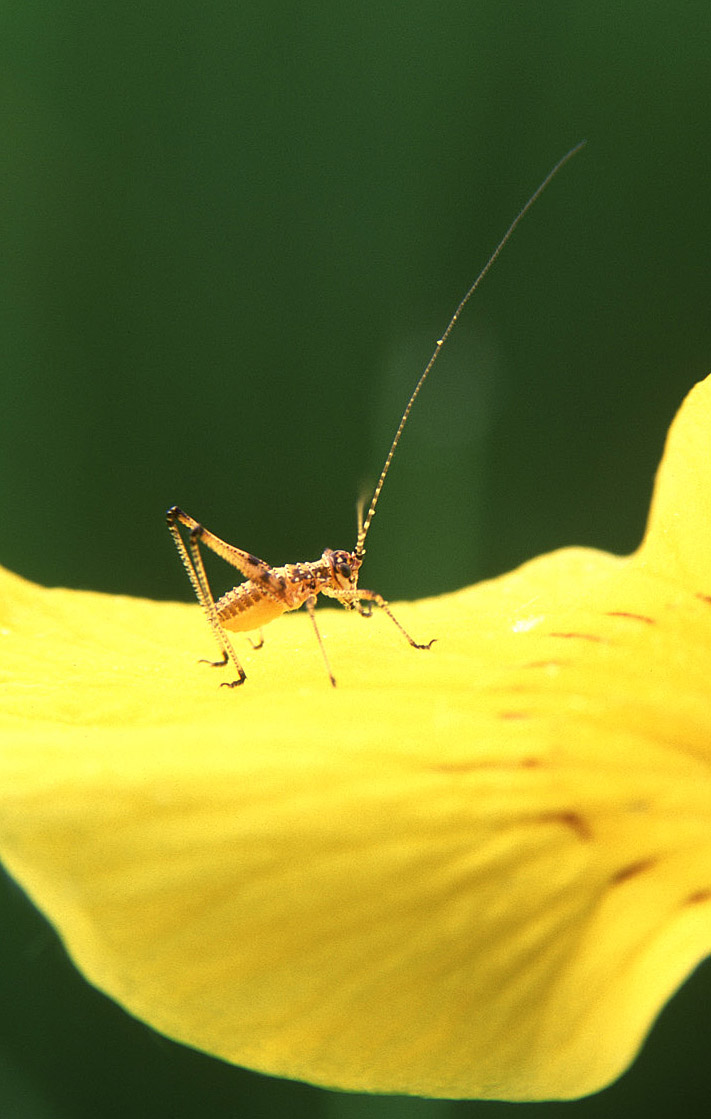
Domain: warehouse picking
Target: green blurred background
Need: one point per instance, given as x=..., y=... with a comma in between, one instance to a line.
x=231, y=234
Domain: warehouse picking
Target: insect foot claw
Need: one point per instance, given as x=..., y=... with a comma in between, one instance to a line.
x=214, y=664
x=233, y=683
x=427, y=646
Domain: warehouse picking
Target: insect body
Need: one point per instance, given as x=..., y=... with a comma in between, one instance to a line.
x=270, y=591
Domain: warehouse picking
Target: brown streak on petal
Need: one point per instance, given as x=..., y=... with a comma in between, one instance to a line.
x=627, y=872
x=704, y=597
x=698, y=897
x=473, y=766
x=627, y=614
x=571, y=820
x=583, y=637
x=513, y=714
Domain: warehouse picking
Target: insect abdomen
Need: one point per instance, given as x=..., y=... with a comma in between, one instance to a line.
x=246, y=607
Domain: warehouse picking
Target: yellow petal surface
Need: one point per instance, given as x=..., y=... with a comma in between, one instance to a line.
x=477, y=871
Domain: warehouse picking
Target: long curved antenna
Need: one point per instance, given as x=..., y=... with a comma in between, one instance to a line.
x=363, y=526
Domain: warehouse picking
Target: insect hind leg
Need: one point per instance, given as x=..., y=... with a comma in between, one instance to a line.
x=224, y=659
x=193, y=564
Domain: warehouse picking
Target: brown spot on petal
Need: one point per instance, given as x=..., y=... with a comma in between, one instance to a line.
x=704, y=597
x=635, y=617
x=698, y=897
x=630, y=871
x=513, y=714
x=572, y=820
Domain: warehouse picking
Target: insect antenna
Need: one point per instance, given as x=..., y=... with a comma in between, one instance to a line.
x=364, y=525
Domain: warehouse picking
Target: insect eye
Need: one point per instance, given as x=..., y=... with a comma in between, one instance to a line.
x=344, y=569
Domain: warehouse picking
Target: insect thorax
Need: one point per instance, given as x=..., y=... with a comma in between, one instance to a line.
x=258, y=601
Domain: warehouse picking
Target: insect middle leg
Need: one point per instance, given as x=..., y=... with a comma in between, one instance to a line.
x=311, y=607
x=259, y=642
x=365, y=607
x=192, y=561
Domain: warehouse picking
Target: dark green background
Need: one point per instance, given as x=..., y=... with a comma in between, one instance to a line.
x=231, y=233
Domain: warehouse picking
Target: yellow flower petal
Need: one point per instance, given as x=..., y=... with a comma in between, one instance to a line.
x=677, y=540
x=475, y=871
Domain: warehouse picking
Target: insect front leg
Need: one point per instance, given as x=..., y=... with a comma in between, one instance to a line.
x=192, y=561
x=365, y=607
